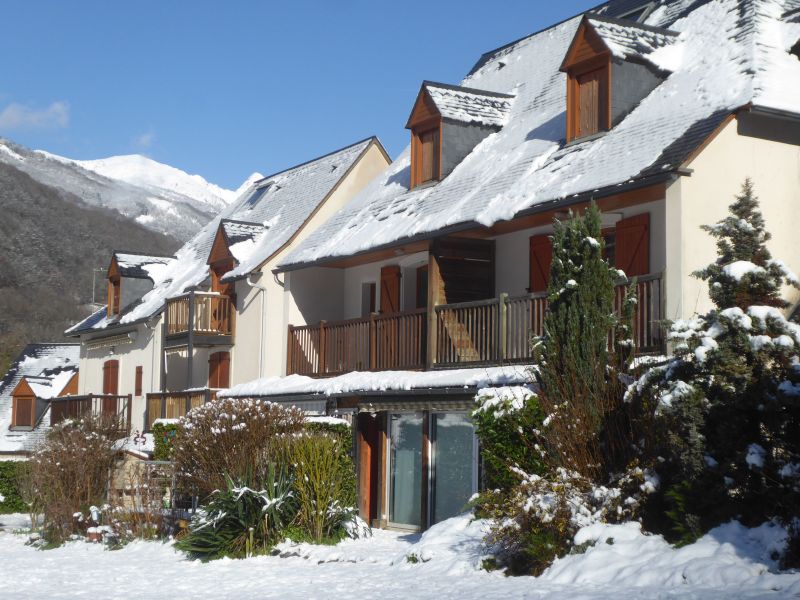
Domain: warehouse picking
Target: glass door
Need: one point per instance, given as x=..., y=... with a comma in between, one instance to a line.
x=405, y=469
x=454, y=464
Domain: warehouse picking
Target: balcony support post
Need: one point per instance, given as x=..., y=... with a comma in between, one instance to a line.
x=373, y=343
x=322, y=343
x=435, y=297
x=190, y=344
x=502, y=326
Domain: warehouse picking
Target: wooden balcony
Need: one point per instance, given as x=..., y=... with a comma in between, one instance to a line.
x=205, y=318
x=73, y=407
x=174, y=405
x=486, y=332
x=374, y=343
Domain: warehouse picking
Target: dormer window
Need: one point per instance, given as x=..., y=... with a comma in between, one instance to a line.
x=114, y=290
x=609, y=73
x=447, y=122
x=232, y=244
x=130, y=277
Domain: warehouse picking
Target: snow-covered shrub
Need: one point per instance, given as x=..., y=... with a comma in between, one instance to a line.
x=240, y=520
x=538, y=521
x=727, y=404
x=507, y=422
x=323, y=484
x=228, y=437
x=69, y=472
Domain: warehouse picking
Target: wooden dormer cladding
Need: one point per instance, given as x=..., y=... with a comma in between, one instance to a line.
x=220, y=261
x=588, y=68
x=425, y=124
x=114, y=288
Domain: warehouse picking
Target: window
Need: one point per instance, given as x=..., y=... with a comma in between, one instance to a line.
x=111, y=377
x=219, y=364
x=256, y=196
x=368, y=298
x=114, y=295
x=429, y=155
x=23, y=411
x=137, y=386
x=540, y=257
x=588, y=101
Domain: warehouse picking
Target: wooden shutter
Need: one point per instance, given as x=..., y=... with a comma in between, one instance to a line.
x=111, y=377
x=219, y=368
x=429, y=143
x=633, y=245
x=390, y=289
x=23, y=411
x=541, y=255
x=592, y=101
x=138, y=382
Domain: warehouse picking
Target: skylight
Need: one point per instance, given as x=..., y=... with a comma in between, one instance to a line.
x=256, y=196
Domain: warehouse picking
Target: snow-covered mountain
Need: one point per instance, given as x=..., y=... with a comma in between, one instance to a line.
x=158, y=196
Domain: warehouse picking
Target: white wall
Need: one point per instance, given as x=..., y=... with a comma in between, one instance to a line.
x=512, y=249
x=703, y=198
x=143, y=352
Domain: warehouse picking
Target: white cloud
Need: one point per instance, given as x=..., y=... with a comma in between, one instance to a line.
x=145, y=140
x=21, y=116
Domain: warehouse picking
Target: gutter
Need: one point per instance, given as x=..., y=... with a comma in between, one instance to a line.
x=776, y=113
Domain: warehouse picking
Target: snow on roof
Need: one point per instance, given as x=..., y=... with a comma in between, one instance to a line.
x=626, y=39
x=241, y=237
x=729, y=53
x=141, y=266
x=468, y=105
x=39, y=364
x=280, y=208
x=381, y=381
x=137, y=444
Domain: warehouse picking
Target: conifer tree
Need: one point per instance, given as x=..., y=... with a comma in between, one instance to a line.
x=580, y=389
x=728, y=399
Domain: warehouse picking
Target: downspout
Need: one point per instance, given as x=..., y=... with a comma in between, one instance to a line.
x=262, y=323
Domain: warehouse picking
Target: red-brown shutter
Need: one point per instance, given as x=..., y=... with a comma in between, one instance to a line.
x=111, y=377
x=541, y=255
x=23, y=411
x=390, y=289
x=138, y=382
x=633, y=245
x=219, y=368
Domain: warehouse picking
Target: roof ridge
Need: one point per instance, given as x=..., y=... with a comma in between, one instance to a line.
x=308, y=162
x=461, y=88
x=629, y=24
x=239, y=222
x=151, y=255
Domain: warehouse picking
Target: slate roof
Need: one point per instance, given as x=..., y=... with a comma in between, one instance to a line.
x=627, y=40
x=467, y=105
x=279, y=204
x=140, y=266
x=729, y=54
x=47, y=367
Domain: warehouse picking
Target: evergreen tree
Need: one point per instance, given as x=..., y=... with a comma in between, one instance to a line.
x=580, y=390
x=728, y=400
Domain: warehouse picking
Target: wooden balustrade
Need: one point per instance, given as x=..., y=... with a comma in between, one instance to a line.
x=494, y=331
x=174, y=405
x=210, y=314
x=73, y=407
x=374, y=343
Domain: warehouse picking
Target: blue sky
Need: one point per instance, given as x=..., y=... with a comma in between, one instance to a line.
x=226, y=88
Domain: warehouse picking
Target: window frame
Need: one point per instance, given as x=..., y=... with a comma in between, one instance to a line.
x=418, y=131
x=601, y=63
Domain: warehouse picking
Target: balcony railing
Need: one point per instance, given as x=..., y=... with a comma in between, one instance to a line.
x=174, y=405
x=209, y=314
x=73, y=407
x=500, y=330
x=494, y=331
x=374, y=343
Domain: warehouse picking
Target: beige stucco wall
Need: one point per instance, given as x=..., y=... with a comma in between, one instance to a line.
x=511, y=250
x=144, y=351
x=263, y=315
x=766, y=152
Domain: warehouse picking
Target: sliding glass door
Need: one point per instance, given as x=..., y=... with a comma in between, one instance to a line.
x=405, y=469
x=453, y=478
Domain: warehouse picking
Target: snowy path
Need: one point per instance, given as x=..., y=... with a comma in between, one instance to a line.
x=373, y=568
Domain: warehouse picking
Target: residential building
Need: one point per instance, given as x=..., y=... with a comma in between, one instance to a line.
x=176, y=329
x=28, y=392
x=429, y=284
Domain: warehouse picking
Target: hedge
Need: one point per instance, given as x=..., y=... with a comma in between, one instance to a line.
x=164, y=437
x=9, y=490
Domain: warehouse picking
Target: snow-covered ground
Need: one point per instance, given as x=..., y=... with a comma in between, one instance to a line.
x=730, y=562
